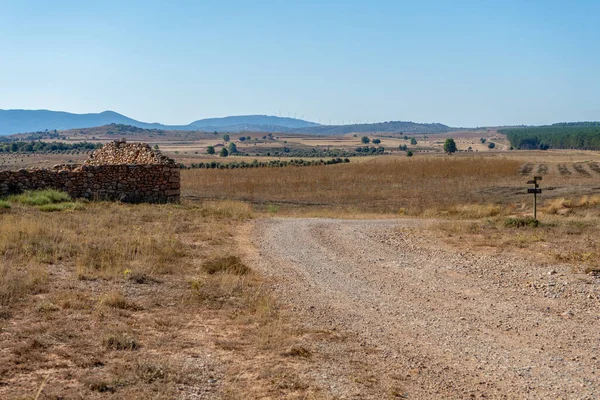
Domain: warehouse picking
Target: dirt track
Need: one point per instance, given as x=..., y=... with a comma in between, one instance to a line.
x=434, y=321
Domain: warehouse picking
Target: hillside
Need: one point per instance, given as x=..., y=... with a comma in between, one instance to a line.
x=251, y=120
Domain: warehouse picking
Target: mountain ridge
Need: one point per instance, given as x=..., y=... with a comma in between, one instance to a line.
x=28, y=121
x=25, y=121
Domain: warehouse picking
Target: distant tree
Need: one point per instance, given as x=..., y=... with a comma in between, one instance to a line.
x=215, y=133
x=223, y=152
x=155, y=147
x=376, y=141
x=413, y=141
x=403, y=147
x=232, y=148
x=450, y=146
x=248, y=138
x=482, y=140
x=409, y=153
x=264, y=138
x=243, y=139
x=491, y=145
x=405, y=137
x=226, y=138
x=470, y=148
x=365, y=139
x=210, y=150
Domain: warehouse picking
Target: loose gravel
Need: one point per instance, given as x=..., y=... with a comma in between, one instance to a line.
x=446, y=323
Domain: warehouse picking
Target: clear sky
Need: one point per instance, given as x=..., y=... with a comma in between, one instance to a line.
x=462, y=63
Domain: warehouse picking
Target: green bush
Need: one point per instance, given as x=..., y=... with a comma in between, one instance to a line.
x=40, y=197
x=4, y=204
x=521, y=222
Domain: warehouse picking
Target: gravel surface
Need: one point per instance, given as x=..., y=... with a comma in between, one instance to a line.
x=448, y=324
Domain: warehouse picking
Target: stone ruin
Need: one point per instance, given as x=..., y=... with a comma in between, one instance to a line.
x=120, y=152
x=128, y=172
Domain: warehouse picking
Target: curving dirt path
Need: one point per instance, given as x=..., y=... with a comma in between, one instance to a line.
x=438, y=322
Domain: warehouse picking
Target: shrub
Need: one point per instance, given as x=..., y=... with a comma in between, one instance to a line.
x=210, y=150
x=223, y=152
x=120, y=341
x=40, y=197
x=376, y=141
x=230, y=265
x=521, y=222
x=365, y=139
x=491, y=145
x=409, y=153
x=4, y=204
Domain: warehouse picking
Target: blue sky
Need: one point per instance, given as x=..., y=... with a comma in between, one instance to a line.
x=462, y=63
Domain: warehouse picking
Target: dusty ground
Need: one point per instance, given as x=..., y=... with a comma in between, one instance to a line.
x=430, y=321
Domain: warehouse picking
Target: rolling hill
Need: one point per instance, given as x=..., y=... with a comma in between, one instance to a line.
x=27, y=121
x=24, y=121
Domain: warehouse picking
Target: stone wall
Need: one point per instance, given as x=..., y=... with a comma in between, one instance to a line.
x=142, y=175
x=127, y=183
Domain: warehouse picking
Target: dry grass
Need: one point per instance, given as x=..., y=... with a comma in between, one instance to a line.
x=412, y=184
x=131, y=301
x=567, y=232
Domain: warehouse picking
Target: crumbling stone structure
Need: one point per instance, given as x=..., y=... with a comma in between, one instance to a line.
x=128, y=172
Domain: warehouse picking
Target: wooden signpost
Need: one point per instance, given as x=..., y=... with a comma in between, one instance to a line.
x=535, y=190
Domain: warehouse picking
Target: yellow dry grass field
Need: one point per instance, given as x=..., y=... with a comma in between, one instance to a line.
x=107, y=300
x=396, y=186
x=119, y=301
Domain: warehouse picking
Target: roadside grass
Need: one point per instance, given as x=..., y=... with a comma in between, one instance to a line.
x=566, y=232
x=109, y=300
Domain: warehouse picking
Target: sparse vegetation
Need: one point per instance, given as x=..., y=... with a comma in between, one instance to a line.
x=40, y=197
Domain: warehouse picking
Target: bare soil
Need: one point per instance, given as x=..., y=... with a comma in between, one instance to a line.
x=430, y=320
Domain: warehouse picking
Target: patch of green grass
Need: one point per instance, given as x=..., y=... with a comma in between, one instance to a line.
x=40, y=197
x=61, y=207
x=5, y=205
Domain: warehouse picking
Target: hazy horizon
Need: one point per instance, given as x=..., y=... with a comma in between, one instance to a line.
x=463, y=64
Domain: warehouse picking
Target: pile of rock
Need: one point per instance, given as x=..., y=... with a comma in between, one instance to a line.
x=120, y=152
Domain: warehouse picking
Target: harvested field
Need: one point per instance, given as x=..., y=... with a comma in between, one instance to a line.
x=563, y=170
x=542, y=169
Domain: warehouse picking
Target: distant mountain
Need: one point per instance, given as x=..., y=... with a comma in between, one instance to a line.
x=388, y=127
x=252, y=120
x=21, y=121
x=25, y=121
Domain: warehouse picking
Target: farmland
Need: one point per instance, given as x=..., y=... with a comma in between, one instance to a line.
x=205, y=299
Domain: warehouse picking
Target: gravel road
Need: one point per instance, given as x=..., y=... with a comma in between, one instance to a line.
x=447, y=324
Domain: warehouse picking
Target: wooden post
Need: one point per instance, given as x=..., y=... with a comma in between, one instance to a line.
x=535, y=192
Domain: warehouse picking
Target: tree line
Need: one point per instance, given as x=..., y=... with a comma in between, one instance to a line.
x=580, y=136
x=265, y=164
x=44, y=147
